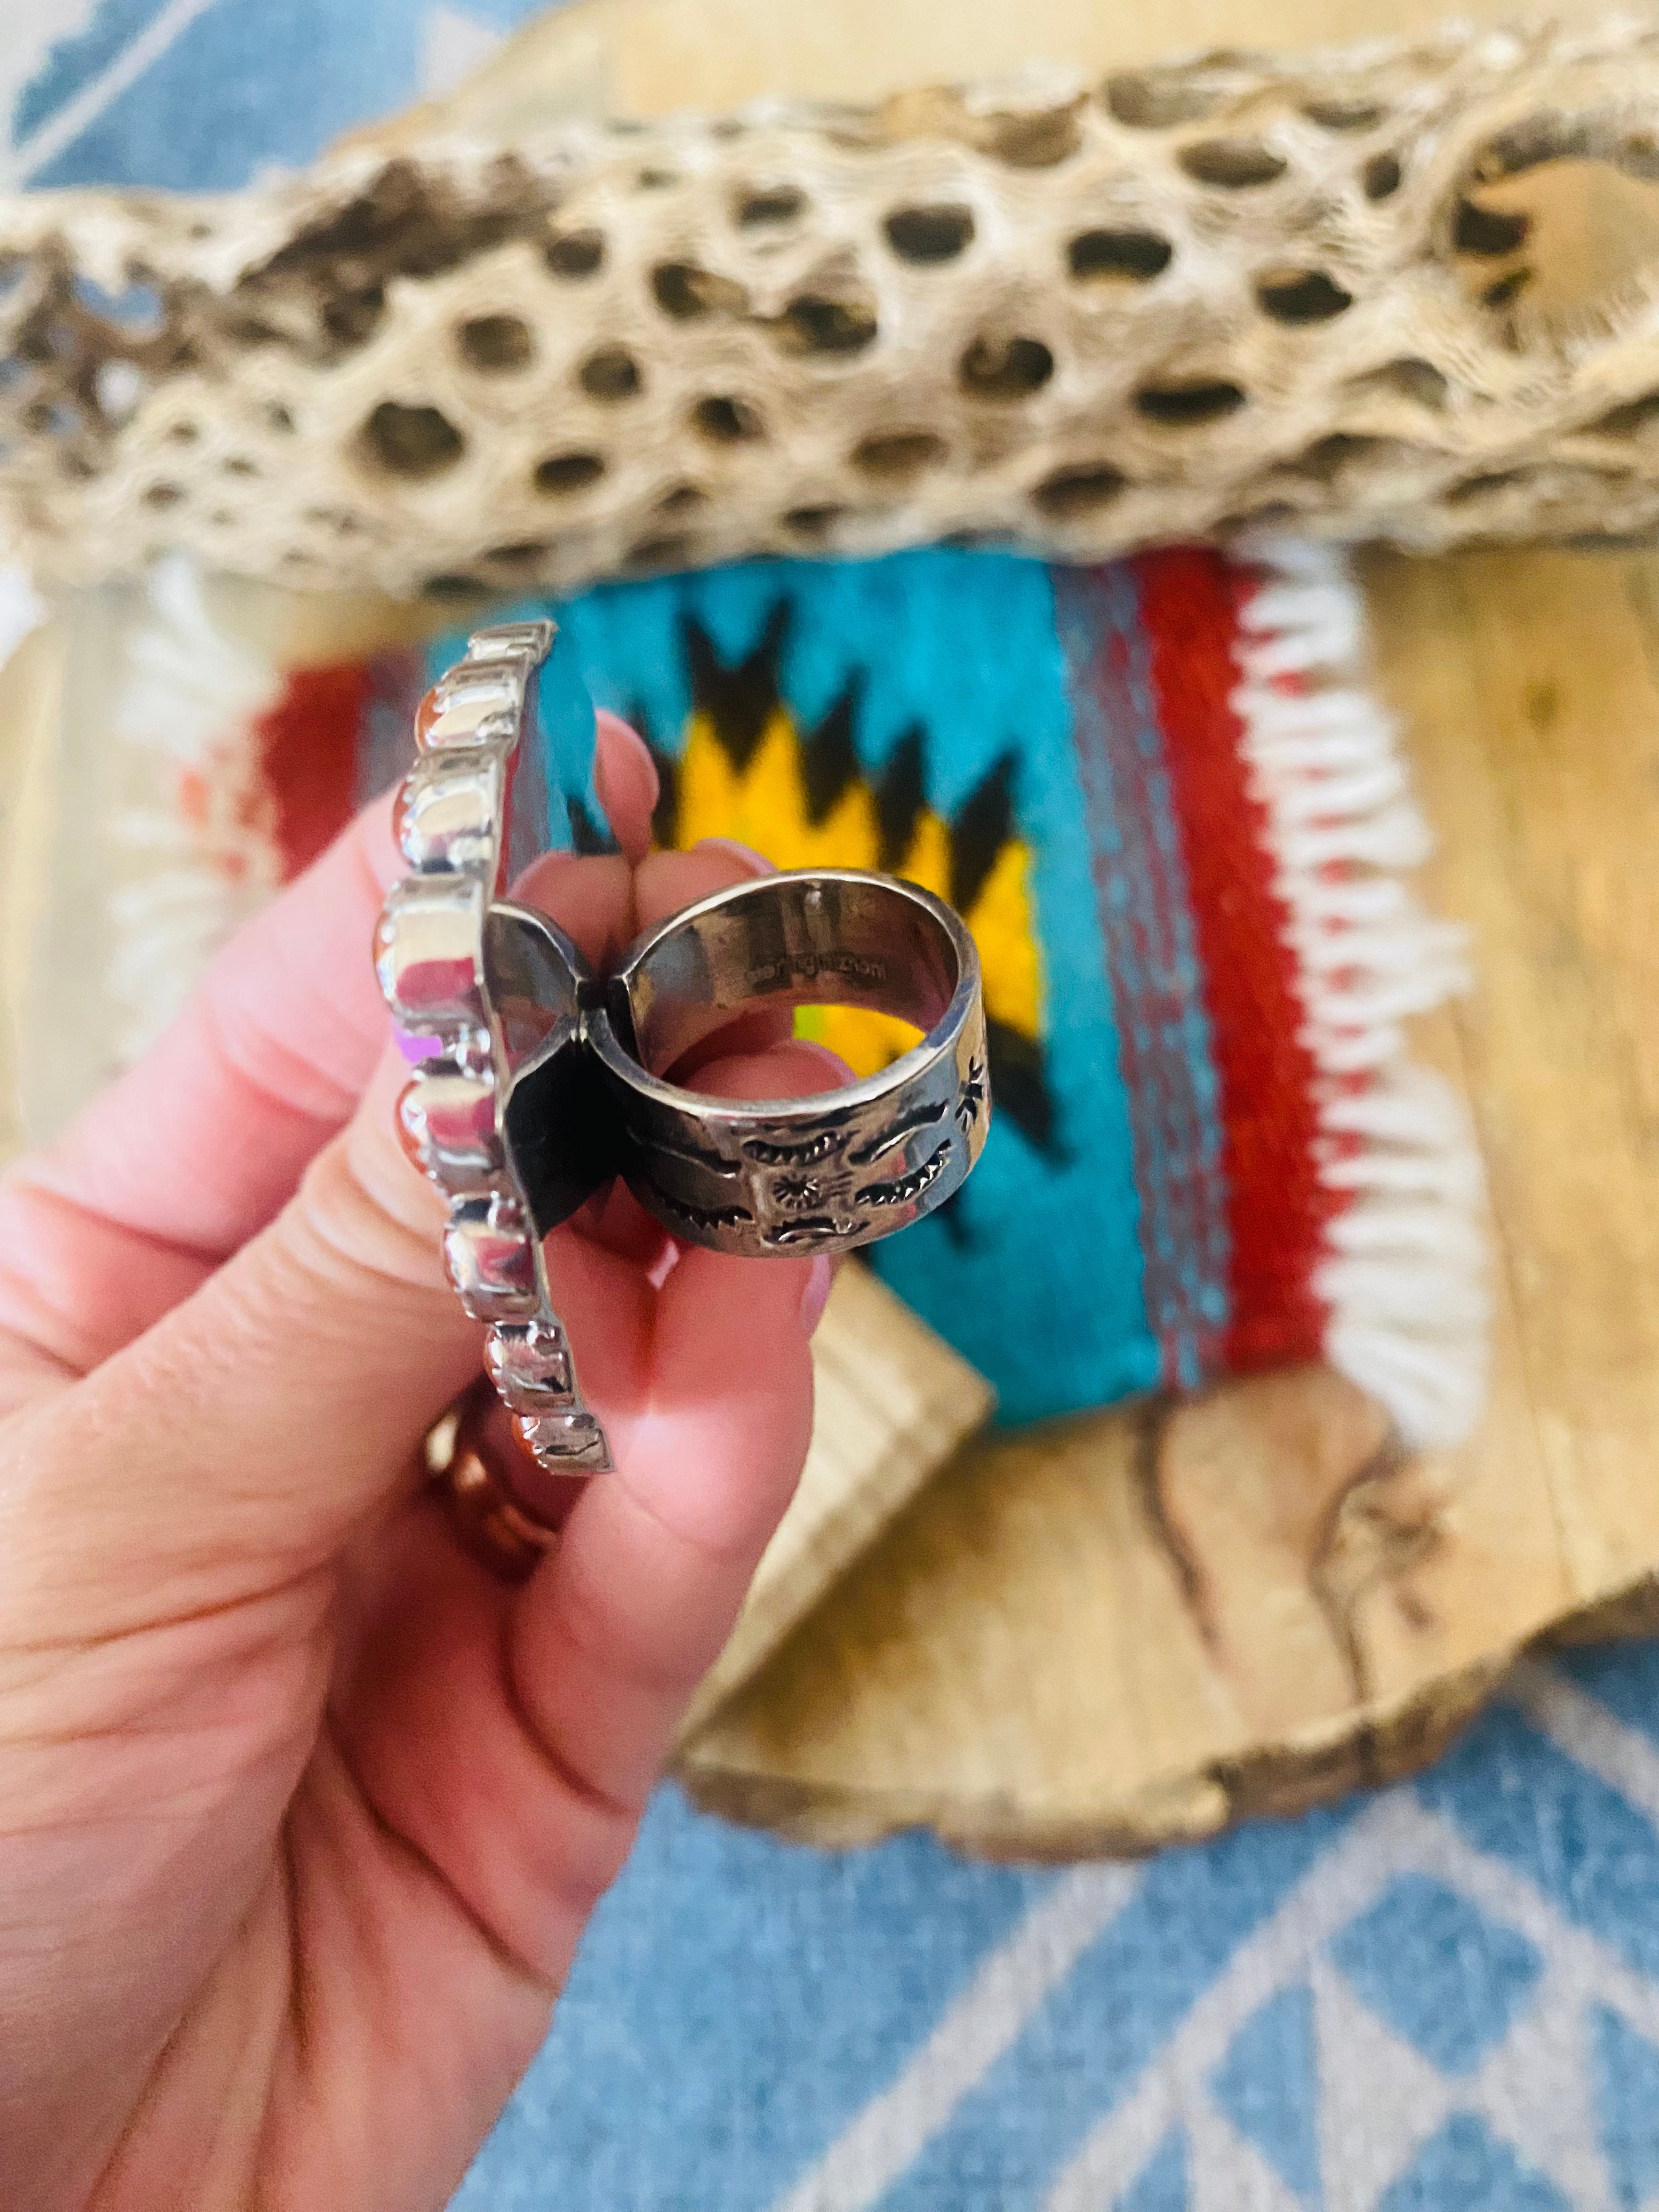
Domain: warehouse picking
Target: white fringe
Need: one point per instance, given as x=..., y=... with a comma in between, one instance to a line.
x=186, y=704
x=1405, y=1274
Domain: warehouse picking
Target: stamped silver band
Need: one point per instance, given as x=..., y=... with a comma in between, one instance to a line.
x=783, y=1177
x=532, y=1085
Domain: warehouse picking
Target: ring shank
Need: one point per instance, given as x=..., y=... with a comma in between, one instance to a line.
x=832, y=939
x=833, y=1170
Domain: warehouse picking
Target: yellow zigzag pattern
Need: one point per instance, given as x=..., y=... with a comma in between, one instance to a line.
x=765, y=804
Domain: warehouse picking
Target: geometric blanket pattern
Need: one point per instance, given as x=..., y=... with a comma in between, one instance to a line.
x=1442, y=1999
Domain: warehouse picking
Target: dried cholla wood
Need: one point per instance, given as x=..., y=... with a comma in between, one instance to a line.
x=1401, y=292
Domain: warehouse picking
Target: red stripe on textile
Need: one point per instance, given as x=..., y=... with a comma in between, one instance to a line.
x=308, y=758
x=1277, y=1209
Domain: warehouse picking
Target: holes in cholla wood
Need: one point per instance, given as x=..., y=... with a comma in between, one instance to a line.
x=823, y=323
x=672, y=550
x=1158, y=100
x=523, y=555
x=768, y=209
x=1039, y=139
x=925, y=235
x=560, y=474
x=892, y=456
x=278, y=418
x=724, y=420
x=415, y=442
x=575, y=253
x=1333, y=457
x=813, y=521
x=610, y=374
x=1381, y=177
x=164, y=495
x=1233, y=165
x=1557, y=219
x=496, y=344
x=1503, y=291
x=1301, y=295
x=1474, y=489
x=350, y=318
x=1188, y=401
x=682, y=499
x=1344, y=112
x=685, y=292
x=1107, y=256
x=1625, y=421
x=1004, y=367
x=1410, y=378
x=1082, y=487
x=1488, y=232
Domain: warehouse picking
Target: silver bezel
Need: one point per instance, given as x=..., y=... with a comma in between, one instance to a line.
x=430, y=954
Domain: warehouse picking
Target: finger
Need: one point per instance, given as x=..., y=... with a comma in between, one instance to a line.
x=665, y=882
x=248, y=1433
x=512, y=1736
x=196, y=1148
x=591, y=898
x=709, y=1423
x=625, y=778
x=614, y=1633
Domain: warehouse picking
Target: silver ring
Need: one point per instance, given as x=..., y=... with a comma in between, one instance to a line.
x=833, y=1170
x=533, y=1084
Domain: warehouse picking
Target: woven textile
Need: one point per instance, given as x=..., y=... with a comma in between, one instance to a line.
x=1174, y=822
x=1209, y=1153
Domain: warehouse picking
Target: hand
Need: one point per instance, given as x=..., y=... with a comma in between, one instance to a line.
x=301, y=1813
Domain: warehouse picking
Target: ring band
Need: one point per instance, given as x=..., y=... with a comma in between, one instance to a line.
x=533, y=1084
x=800, y=1176
x=503, y=1507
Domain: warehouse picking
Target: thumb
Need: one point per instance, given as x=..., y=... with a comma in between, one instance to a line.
x=244, y=1437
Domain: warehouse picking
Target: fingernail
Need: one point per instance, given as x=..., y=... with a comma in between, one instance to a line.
x=820, y=1278
x=626, y=780
x=756, y=863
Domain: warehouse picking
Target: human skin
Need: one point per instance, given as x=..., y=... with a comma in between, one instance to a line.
x=301, y=1812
